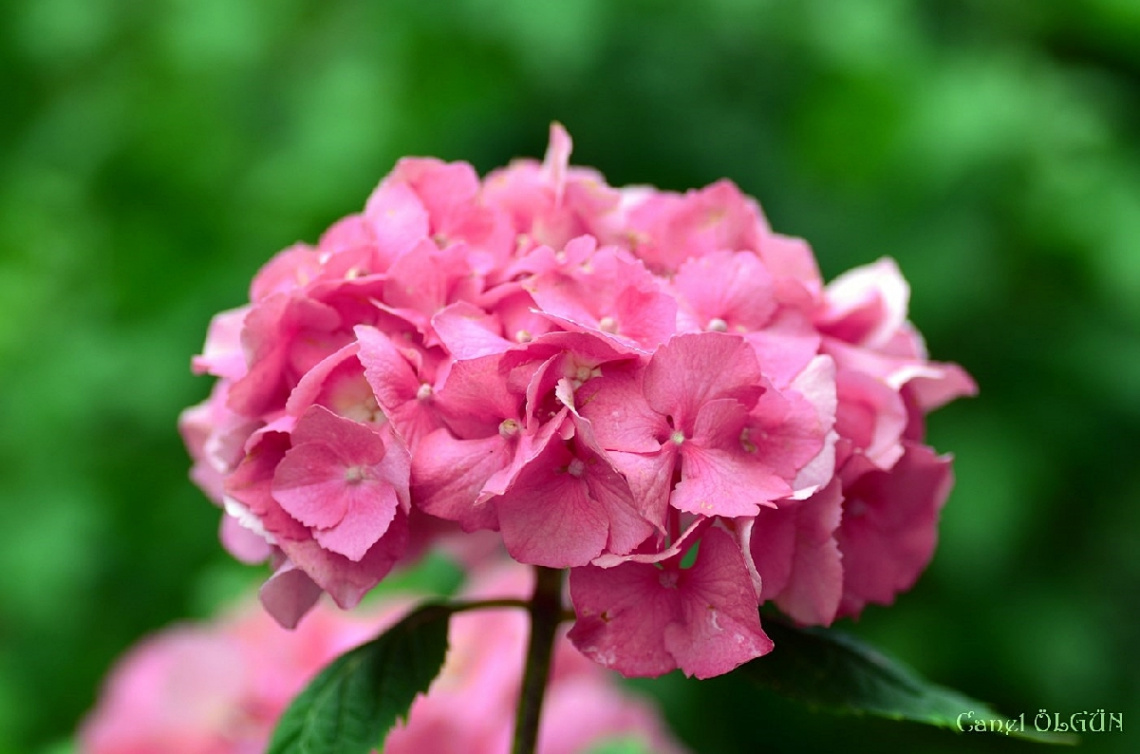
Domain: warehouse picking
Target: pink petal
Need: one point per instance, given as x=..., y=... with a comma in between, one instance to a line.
x=650, y=478
x=644, y=621
x=469, y=332
x=548, y=518
x=475, y=398
x=243, y=544
x=718, y=627
x=251, y=483
x=867, y=305
x=448, y=474
x=222, y=354
x=622, y=613
x=621, y=418
x=785, y=347
x=871, y=416
x=717, y=482
x=798, y=559
x=562, y=509
x=791, y=259
x=347, y=581
x=310, y=485
x=719, y=476
x=731, y=286
x=288, y=594
x=787, y=431
x=889, y=525
x=269, y=332
x=447, y=190
x=692, y=369
x=396, y=218
x=370, y=510
x=557, y=159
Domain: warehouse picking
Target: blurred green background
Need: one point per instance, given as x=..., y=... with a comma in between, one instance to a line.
x=153, y=155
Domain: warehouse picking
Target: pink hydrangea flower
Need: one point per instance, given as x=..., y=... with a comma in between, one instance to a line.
x=605, y=378
x=219, y=688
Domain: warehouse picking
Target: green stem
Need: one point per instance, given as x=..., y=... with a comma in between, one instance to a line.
x=545, y=614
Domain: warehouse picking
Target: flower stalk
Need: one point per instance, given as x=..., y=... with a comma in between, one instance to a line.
x=545, y=611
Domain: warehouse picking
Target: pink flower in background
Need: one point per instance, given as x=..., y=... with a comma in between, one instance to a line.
x=605, y=378
x=219, y=688
x=215, y=688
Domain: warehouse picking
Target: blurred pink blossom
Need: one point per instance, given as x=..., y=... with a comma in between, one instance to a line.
x=218, y=688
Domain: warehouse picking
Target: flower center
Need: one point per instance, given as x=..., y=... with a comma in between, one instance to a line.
x=508, y=428
x=677, y=437
x=354, y=475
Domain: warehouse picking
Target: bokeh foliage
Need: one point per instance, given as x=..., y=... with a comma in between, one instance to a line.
x=153, y=155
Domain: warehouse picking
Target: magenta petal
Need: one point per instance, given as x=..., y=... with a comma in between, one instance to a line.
x=622, y=613
x=644, y=621
x=719, y=626
x=562, y=509
x=795, y=551
x=548, y=519
x=448, y=474
x=288, y=594
x=889, y=525
x=813, y=592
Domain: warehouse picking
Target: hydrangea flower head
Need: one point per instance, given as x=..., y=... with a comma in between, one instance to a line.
x=651, y=389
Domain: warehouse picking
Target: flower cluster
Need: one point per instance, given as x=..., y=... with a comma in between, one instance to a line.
x=650, y=389
x=219, y=688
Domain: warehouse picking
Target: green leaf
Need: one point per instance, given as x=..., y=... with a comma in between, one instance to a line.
x=834, y=671
x=350, y=706
x=624, y=745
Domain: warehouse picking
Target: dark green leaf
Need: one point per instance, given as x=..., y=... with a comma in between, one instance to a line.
x=350, y=706
x=834, y=671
